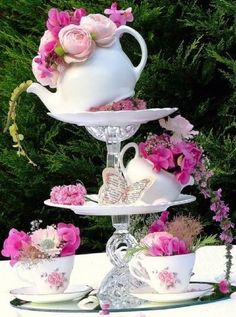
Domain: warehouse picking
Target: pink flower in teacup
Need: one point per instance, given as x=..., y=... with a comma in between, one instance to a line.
x=76, y=42
x=164, y=244
x=181, y=128
x=14, y=244
x=46, y=240
x=161, y=158
x=70, y=238
x=101, y=28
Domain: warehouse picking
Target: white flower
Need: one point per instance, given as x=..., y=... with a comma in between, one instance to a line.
x=46, y=240
x=181, y=128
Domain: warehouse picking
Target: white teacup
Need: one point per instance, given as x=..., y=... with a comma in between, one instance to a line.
x=165, y=274
x=48, y=276
x=165, y=187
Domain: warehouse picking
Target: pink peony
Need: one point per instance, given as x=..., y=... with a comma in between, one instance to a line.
x=164, y=244
x=224, y=287
x=70, y=237
x=76, y=42
x=68, y=195
x=13, y=245
x=101, y=28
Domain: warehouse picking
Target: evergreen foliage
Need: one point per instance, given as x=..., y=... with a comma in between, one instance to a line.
x=191, y=66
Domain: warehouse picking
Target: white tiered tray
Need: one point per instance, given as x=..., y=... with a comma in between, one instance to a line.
x=113, y=118
x=93, y=209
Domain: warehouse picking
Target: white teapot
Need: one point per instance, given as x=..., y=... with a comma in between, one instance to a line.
x=107, y=76
x=165, y=187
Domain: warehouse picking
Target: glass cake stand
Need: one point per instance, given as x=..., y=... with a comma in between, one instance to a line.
x=113, y=128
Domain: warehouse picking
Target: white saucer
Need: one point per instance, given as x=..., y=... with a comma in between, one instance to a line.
x=93, y=209
x=195, y=290
x=113, y=118
x=30, y=294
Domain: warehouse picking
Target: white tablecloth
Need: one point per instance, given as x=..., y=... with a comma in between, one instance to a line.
x=91, y=268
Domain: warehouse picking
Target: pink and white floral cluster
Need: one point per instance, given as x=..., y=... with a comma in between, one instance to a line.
x=174, y=152
x=72, y=37
x=68, y=194
x=62, y=240
x=163, y=244
x=126, y=104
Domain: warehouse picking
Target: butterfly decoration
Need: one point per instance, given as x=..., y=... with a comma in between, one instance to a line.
x=116, y=191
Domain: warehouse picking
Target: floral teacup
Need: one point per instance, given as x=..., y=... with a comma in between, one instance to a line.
x=165, y=274
x=48, y=276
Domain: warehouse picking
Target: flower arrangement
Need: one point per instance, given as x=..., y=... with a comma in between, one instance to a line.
x=51, y=242
x=175, y=237
x=72, y=37
x=173, y=152
x=126, y=104
x=68, y=194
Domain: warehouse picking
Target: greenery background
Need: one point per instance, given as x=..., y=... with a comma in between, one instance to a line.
x=191, y=66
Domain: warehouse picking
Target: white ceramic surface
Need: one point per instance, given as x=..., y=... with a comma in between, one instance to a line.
x=48, y=276
x=108, y=75
x=31, y=294
x=195, y=290
x=165, y=186
x=93, y=209
x=165, y=274
x=113, y=118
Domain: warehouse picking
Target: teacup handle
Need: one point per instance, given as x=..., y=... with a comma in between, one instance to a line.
x=20, y=274
x=134, y=267
x=122, y=153
x=126, y=29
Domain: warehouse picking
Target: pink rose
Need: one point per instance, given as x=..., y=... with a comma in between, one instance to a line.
x=76, y=42
x=101, y=28
x=70, y=236
x=13, y=245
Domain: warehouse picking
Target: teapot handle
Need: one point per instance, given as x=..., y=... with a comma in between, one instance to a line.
x=126, y=29
x=122, y=153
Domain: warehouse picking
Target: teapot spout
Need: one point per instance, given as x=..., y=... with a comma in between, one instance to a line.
x=46, y=96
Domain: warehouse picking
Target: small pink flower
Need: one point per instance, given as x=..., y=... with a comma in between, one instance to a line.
x=224, y=287
x=159, y=224
x=14, y=244
x=56, y=279
x=167, y=278
x=44, y=75
x=70, y=237
x=161, y=158
x=119, y=17
x=76, y=42
x=101, y=28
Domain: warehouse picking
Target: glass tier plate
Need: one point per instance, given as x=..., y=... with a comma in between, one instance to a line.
x=113, y=118
x=93, y=209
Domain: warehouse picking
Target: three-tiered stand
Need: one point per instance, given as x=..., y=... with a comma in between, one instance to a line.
x=113, y=127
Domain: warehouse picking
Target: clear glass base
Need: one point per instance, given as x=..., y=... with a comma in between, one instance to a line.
x=115, y=287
